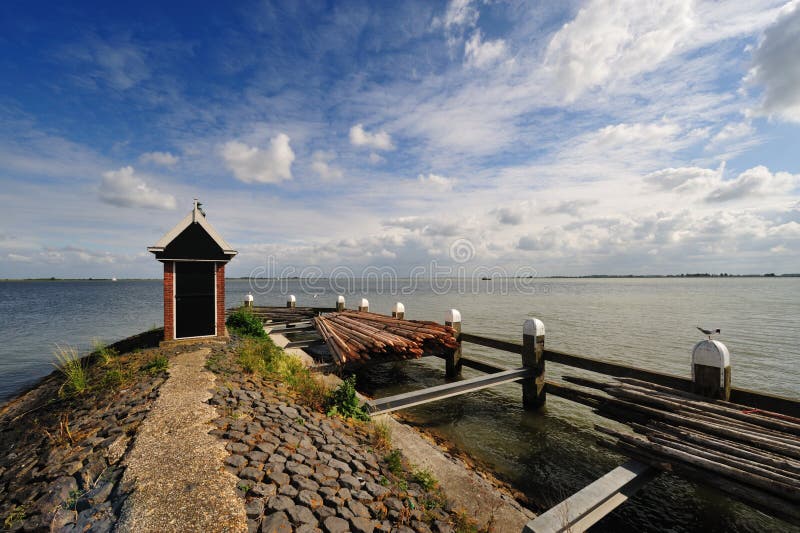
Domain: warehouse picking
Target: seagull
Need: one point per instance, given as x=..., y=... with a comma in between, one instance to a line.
x=709, y=332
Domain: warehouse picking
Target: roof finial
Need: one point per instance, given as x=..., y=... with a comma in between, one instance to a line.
x=197, y=209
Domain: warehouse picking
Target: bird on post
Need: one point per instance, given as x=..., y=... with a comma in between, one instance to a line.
x=709, y=332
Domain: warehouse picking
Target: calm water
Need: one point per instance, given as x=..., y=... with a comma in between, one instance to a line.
x=645, y=322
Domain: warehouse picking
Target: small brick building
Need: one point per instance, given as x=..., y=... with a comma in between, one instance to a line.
x=194, y=257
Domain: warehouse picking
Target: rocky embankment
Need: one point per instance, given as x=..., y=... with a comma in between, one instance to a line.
x=60, y=458
x=63, y=460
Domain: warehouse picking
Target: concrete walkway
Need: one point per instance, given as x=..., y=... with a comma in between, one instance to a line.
x=175, y=466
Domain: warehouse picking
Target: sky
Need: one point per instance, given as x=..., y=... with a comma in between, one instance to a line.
x=555, y=138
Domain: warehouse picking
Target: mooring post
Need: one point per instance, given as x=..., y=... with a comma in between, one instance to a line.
x=399, y=311
x=453, y=362
x=248, y=300
x=340, y=303
x=364, y=305
x=711, y=370
x=533, y=394
x=291, y=301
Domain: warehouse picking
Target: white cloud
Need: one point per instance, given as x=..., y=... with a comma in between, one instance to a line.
x=509, y=216
x=460, y=13
x=611, y=39
x=379, y=140
x=480, y=54
x=254, y=165
x=776, y=67
x=125, y=189
x=376, y=159
x=166, y=159
x=757, y=181
x=320, y=163
x=440, y=183
x=568, y=207
x=624, y=134
x=712, y=187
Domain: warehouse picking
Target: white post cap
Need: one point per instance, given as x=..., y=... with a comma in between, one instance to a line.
x=291, y=298
x=248, y=297
x=399, y=308
x=453, y=316
x=364, y=302
x=533, y=327
x=711, y=353
x=340, y=299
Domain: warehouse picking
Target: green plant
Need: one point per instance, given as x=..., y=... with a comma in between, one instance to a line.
x=344, y=402
x=424, y=478
x=394, y=461
x=244, y=323
x=103, y=352
x=74, y=370
x=14, y=516
x=158, y=363
x=244, y=487
x=113, y=379
x=383, y=481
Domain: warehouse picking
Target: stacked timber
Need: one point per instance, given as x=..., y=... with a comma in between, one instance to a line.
x=358, y=337
x=749, y=453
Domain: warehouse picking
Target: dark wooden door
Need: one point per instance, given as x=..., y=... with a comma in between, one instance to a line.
x=194, y=299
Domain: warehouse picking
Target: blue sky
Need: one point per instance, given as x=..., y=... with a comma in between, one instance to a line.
x=563, y=137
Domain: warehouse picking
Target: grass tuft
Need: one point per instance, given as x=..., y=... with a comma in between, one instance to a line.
x=394, y=461
x=424, y=478
x=15, y=516
x=74, y=370
x=158, y=363
x=103, y=352
x=381, y=435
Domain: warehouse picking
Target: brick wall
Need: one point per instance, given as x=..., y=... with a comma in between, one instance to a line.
x=169, y=300
x=221, y=331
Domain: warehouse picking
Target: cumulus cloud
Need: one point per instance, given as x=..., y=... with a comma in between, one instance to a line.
x=166, y=159
x=458, y=13
x=568, y=207
x=321, y=164
x=125, y=189
x=777, y=69
x=479, y=53
x=509, y=216
x=254, y=165
x=376, y=159
x=611, y=39
x=426, y=226
x=684, y=178
x=435, y=181
x=757, y=181
x=379, y=140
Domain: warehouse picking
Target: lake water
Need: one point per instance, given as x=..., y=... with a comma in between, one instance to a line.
x=648, y=323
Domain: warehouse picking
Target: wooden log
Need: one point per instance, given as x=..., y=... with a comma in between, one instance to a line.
x=772, y=486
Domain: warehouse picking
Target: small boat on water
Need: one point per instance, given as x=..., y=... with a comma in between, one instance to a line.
x=113, y=279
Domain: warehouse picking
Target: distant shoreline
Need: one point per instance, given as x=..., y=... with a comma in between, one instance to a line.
x=589, y=276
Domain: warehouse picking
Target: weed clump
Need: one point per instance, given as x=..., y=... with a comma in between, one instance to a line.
x=158, y=363
x=103, y=353
x=381, y=435
x=344, y=402
x=394, y=461
x=424, y=478
x=245, y=324
x=74, y=370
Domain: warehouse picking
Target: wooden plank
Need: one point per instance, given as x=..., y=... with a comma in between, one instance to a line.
x=292, y=328
x=491, y=343
x=304, y=344
x=448, y=390
x=587, y=506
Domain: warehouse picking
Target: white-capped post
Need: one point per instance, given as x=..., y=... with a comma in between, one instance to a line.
x=399, y=311
x=291, y=301
x=248, y=300
x=340, y=303
x=533, y=393
x=711, y=370
x=453, y=362
x=364, y=305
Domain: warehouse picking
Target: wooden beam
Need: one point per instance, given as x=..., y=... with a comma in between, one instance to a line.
x=305, y=343
x=439, y=392
x=587, y=506
x=491, y=343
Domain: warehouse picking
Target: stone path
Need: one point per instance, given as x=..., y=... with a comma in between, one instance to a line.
x=175, y=465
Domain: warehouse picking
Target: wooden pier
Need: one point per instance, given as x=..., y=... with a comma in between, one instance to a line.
x=722, y=448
